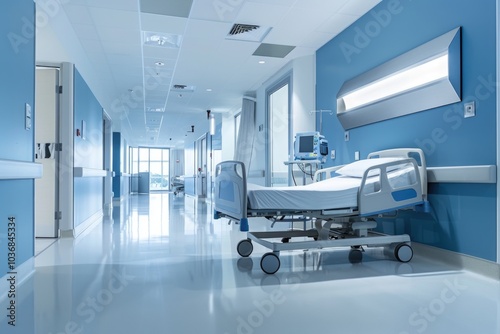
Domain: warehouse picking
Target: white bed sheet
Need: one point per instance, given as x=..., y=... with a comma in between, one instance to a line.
x=338, y=192
x=334, y=193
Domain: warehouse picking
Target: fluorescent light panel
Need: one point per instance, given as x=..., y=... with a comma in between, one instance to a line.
x=398, y=83
x=212, y=125
x=164, y=40
x=426, y=77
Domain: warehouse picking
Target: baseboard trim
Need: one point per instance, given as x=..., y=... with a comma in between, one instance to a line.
x=86, y=225
x=470, y=263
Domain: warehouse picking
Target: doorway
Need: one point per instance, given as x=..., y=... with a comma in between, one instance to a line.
x=46, y=139
x=107, y=143
x=278, y=134
x=202, y=164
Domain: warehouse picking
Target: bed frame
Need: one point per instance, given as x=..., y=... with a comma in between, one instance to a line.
x=335, y=227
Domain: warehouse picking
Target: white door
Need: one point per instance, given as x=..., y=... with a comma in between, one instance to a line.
x=46, y=125
x=108, y=166
x=201, y=176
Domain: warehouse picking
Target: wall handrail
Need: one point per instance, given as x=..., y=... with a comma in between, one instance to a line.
x=89, y=172
x=17, y=170
x=462, y=174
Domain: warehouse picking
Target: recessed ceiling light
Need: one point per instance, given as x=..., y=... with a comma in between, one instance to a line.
x=262, y=61
x=162, y=39
x=209, y=89
x=160, y=63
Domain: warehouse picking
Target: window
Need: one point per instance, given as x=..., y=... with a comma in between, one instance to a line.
x=156, y=161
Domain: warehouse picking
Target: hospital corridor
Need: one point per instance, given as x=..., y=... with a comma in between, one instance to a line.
x=163, y=265
x=250, y=167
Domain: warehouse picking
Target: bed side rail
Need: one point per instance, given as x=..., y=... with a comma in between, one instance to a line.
x=231, y=192
x=325, y=173
x=414, y=153
x=389, y=195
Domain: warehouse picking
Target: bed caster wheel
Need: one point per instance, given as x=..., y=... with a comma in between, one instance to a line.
x=403, y=253
x=244, y=247
x=355, y=256
x=270, y=263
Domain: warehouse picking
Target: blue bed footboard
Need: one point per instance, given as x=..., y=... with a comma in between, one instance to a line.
x=231, y=192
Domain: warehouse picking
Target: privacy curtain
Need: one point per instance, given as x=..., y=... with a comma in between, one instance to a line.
x=244, y=142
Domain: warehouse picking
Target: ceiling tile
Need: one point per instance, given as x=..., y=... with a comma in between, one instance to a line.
x=122, y=48
x=273, y=2
x=218, y=11
x=86, y=31
x=179, y=8
x=151, y=52
x=128, y=5
x=106, y=17
x=161, y=23
x=316, y=39
x=273, y=50
x=93, y=46
x=111, y=34
x=329, y=6
x=358, y=8
x=261, y=14
x=78, y=14
x=336, y=24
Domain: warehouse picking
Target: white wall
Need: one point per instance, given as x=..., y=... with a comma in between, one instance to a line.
x=304, y=94
x=176, y=162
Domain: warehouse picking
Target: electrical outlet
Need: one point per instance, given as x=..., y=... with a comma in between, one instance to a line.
x=346, y=136
x=356, y=155
x=469, y=109
x=332, y=154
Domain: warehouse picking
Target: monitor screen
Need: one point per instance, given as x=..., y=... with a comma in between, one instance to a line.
x=306, y=144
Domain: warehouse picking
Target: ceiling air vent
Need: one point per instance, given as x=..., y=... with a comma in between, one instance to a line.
x=182, y=88
x=248, y=32
x=239, y=28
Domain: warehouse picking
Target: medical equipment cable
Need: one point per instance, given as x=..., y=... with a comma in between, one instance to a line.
x=293, y=177
x=302, y=168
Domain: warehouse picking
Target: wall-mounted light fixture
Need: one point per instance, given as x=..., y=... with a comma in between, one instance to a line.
x=212, y=125
x=426, y=77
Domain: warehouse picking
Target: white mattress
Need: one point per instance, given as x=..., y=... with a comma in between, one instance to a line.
x=334, y=193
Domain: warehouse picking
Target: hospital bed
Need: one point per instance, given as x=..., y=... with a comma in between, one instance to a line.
x=343, y=204
x=177, y=184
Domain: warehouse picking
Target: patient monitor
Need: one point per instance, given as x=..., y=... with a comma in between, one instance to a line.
x=310, y=146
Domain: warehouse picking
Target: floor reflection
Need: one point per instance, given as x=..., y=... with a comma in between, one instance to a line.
x=161, y=264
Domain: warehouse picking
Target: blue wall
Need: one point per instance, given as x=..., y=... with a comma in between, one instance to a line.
x=117, y=151
x=17, y=70
x=88, y=152
x=466, y=213
x=121, y=180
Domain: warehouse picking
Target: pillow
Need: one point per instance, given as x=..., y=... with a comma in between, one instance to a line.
x=358, y=168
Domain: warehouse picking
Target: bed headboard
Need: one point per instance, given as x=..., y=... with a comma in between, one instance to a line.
x=414, y=153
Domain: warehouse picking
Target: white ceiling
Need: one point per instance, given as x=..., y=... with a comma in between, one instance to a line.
x=122, y=70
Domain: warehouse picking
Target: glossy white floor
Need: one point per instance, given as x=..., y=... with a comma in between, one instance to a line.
x=163, y=265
